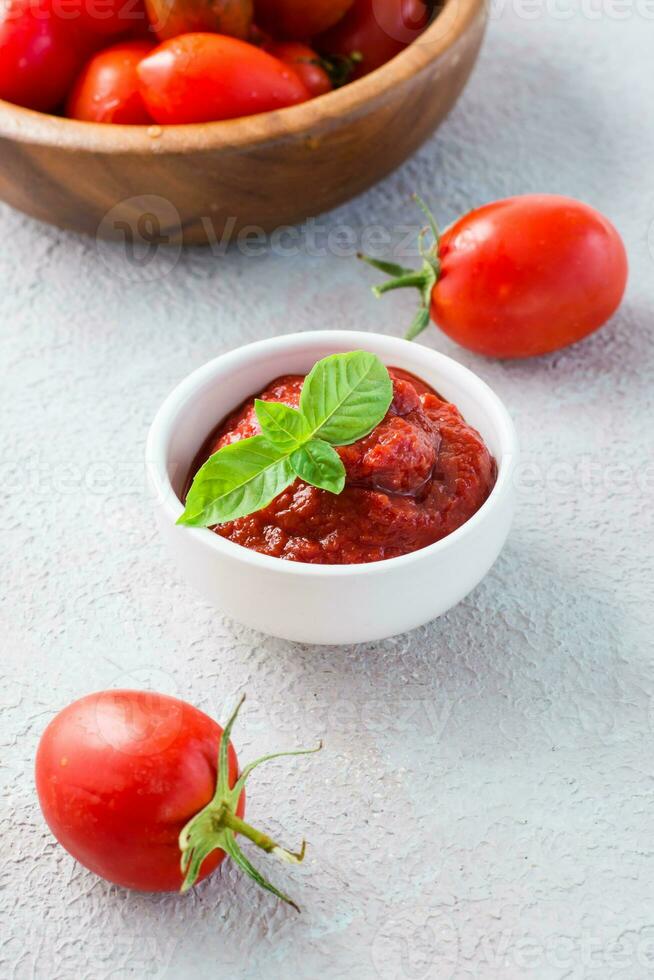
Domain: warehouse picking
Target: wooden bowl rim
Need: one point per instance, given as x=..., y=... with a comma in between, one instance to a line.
x=31, y=127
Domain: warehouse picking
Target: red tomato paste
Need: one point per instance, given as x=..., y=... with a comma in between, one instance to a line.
x=421, y=474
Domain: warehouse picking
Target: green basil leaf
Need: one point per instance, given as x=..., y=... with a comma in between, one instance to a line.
x=284, y=426
x=238, y=480
x=345, y=396
x=320, y=465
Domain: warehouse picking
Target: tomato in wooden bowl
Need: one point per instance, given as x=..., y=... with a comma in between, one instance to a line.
x=207, y=181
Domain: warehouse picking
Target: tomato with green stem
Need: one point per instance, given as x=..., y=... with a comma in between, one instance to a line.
x=305, y=62
x=144, y=790
x=374, y=31
x=520, y=277
x=319, y=73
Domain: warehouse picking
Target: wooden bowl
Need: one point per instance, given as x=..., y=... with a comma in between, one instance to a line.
x=207, y=181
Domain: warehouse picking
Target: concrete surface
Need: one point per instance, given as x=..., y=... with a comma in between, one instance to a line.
x=483, y=806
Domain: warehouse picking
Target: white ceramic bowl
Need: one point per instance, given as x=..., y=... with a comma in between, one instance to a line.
x=325, y=603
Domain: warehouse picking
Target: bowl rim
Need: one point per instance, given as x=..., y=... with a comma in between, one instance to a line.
x=237, y=359
x=32, y=127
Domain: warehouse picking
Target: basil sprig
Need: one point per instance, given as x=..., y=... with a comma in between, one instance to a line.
x=343, y=398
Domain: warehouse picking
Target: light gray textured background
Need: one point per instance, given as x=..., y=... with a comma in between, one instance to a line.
x=483, y=806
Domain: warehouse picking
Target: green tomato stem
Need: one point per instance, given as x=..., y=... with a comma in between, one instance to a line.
x=423, y=279
x=417, y=280
x=263, y=841
x=339, y=68
x=215, y=827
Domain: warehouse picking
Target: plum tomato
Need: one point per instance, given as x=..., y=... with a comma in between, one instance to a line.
x=143, y=789
x=298, y=20
x=170, y=18
x=375, y=31
x=40, y=54
x=306, y=63
x=204, y=77
x=523, y=276
x=107, y=90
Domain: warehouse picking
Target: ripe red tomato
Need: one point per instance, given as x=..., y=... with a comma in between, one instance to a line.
x=204, y=77
x=119, y=774
x=298, y=20
x=144, y=790
x=172, y=17
x=523, y=276
x=40, y=54
x=377, y=30
x=306, y=63
x=107, y=90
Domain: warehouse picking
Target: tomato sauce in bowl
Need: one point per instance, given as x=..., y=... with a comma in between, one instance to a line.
x=417, y=477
